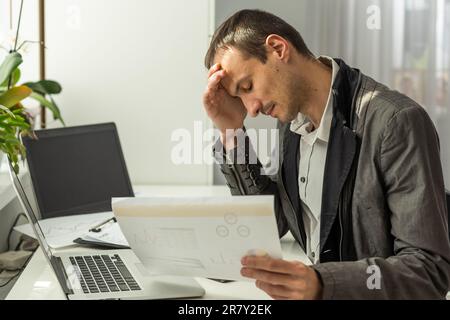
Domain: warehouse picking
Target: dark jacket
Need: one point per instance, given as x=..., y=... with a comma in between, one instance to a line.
x=383, y=200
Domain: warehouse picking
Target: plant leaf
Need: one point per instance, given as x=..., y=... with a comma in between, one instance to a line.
x=44, y=87
x=14, y=96
x=48, y=104
x=7, y=111
x=11, y=62
x=59, y=112
x=15, y=78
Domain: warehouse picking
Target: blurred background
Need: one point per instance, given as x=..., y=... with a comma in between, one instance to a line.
x=139, y=63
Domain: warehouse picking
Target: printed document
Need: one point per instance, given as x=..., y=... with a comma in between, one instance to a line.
x=61, y=231
x=200, y=237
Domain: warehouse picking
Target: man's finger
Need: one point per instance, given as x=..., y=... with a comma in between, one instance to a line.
x=266, y=276
x=213, y=69
x=273, y=265
x=274, y=290
x=214, y=80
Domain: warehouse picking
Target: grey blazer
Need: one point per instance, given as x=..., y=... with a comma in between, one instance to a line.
x=384, y=231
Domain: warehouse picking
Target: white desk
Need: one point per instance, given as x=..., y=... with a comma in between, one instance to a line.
x=38, y=281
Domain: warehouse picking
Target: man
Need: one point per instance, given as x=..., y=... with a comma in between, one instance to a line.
x=360, y=183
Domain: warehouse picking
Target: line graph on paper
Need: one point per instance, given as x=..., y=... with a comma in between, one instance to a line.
x=56, y=231
x=70, y=225
x=61, y=231
x=167, y=238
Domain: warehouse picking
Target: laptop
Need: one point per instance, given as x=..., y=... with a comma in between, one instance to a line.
x=76, y=170
x=104, y=274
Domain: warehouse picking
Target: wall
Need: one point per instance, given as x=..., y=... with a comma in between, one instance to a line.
x=138, y=63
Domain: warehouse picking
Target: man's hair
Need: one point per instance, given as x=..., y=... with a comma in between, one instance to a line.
x=247, y=30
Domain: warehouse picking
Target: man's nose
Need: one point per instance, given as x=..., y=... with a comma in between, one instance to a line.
x=253, y=107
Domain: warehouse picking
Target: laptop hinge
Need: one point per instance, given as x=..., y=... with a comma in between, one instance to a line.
x=61, y=274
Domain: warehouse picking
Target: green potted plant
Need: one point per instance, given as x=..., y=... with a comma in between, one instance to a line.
x=15, y=120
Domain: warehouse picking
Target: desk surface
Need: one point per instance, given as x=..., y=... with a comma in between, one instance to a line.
x=38, y=281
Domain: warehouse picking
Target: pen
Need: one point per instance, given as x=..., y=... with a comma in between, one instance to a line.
x=98, y=228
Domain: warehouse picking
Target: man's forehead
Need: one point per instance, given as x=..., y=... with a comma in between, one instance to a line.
x=233, y=61
x=235, y=64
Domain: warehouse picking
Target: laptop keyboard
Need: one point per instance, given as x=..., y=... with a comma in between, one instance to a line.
x=103, y=273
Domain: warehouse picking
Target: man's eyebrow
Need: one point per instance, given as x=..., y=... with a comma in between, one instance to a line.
x=238, y=84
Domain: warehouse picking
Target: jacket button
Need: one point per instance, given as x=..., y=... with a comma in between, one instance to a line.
x=302, y=179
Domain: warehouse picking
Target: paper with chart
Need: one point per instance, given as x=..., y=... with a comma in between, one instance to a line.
x=203, y=237
x=109, y=234
x=61, y=231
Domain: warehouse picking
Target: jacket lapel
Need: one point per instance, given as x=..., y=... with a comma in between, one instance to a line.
x=290, y=175
x=342, y=147
x=340, y=157
x=341, y=153
x=291, y=151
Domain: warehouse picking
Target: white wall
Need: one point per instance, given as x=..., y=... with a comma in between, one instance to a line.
x=138, y=63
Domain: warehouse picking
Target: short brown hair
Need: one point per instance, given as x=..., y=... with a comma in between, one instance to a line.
x=247, y=31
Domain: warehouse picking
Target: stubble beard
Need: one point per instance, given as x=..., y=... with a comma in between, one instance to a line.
x=296, y=100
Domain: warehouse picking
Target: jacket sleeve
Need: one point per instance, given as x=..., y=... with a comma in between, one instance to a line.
x=245, y=175
x=416, y=205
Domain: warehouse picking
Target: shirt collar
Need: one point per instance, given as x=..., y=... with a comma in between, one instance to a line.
x=301, y=125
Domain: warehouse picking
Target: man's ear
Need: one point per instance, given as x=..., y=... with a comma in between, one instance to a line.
x=278, y=46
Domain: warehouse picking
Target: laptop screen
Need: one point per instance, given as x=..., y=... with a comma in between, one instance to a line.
x=77, y=170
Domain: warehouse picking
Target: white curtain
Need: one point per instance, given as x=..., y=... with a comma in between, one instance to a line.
x=404, y=44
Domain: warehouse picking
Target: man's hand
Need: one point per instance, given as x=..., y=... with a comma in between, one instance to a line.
x=225, y=111
x=282, y=279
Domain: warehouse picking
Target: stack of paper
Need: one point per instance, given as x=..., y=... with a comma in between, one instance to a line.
x=110, y=236
x=62, y=231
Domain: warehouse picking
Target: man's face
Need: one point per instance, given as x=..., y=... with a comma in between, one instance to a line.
x=268, y=88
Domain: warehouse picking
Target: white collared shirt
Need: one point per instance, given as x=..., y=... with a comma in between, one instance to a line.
x=313, y=154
